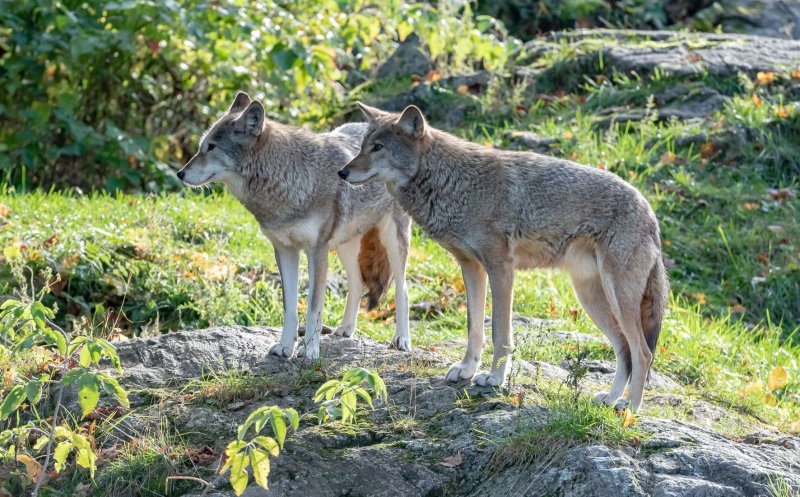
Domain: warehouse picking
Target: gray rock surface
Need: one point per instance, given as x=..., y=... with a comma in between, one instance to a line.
x=410, y=58
x=680, y=54
x=398, y=449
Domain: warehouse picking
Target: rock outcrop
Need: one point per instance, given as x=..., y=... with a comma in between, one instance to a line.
x=433, y=438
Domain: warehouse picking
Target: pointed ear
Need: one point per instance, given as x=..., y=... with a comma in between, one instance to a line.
x=253, y=119
x=240, y=103
x=411, y=122
x=369, y=112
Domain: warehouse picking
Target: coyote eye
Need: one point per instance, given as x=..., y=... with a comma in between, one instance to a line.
x=376, y=147
x=211, y=147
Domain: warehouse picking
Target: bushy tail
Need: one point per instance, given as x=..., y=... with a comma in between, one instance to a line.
x=653, y=302
x=373, y=260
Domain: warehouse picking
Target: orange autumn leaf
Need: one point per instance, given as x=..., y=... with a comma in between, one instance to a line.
x=750, y=206
x=627, y=418
x=4, y=211
x=782, y=112
x=796, y=74
x=757, y=100
x=462, y=90
x=32, y=468
x=763, y=78
x=701, y=298
x=552, y=310
x=568, y=135
x=708, y=149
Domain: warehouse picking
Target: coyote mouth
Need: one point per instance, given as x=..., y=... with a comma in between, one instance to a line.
x=363, y=181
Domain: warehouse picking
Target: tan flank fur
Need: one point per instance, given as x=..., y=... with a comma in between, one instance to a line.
x=286, y=177
x=497, y=211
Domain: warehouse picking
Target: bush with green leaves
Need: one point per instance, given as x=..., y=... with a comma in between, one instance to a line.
x=340, y=402
x=26, y=327
x=339, y=398
x=106, y=94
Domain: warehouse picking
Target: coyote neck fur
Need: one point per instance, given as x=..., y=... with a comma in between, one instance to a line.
x=279, y=174
x=436, y=196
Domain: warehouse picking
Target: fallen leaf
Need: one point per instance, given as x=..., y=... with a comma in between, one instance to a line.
x=751, y=388
x=4, y=211
x=778, y=378
x=628, y=418
x=762, y=258
x=552, y=309
x=452, y=461
x=32, y=468
x=487, y=143
x=782, y=112
x=763, y=78
x=701, y=298
x=518, y=398
x=462, y=90
x=738, y=309
x=708, y=149
x=757, y=100
x=750, y=206
x=568, y=135
x=796, y=74
x=770, y=400
x=781, y=194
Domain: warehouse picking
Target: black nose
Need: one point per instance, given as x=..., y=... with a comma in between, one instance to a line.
x=181, y=175
x=343, y=173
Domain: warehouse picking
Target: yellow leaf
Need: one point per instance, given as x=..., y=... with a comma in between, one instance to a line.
x=777, y=378
x=4, y=211
x=458, y=284
x=796, y=74
x=32, y=468
x=750, y=389
x=757, y=100
x=701, y=298
x=487, y=143
x=568, y=135
x=770, y=400
x=462, y=90
x=782, y=112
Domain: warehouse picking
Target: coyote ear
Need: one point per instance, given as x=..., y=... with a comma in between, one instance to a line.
x=240, y=103
x=254, y=119
x=411, y=122
x=369, y=112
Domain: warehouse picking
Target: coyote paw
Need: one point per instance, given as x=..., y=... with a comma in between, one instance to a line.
x=602, y=399
x=345, y=330
x=401, y=343
x=489, y=379
x=281, y=350
x=460, y=371
x=309, y=351
x=622, y=403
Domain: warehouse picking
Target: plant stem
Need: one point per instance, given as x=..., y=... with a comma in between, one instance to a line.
x=49, y=451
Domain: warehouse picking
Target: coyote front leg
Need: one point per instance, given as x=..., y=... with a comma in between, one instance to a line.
x=317, y=278
x=289, y=267
x=475, y=283
x=501, y=279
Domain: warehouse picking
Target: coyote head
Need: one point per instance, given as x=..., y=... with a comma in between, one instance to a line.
x=390, y=149
x=226, y=144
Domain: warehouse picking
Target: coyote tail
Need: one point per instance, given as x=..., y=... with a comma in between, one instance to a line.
x=373, y=260
x=653, y=302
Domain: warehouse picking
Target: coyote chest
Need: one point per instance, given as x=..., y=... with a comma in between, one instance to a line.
x=309, y=231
